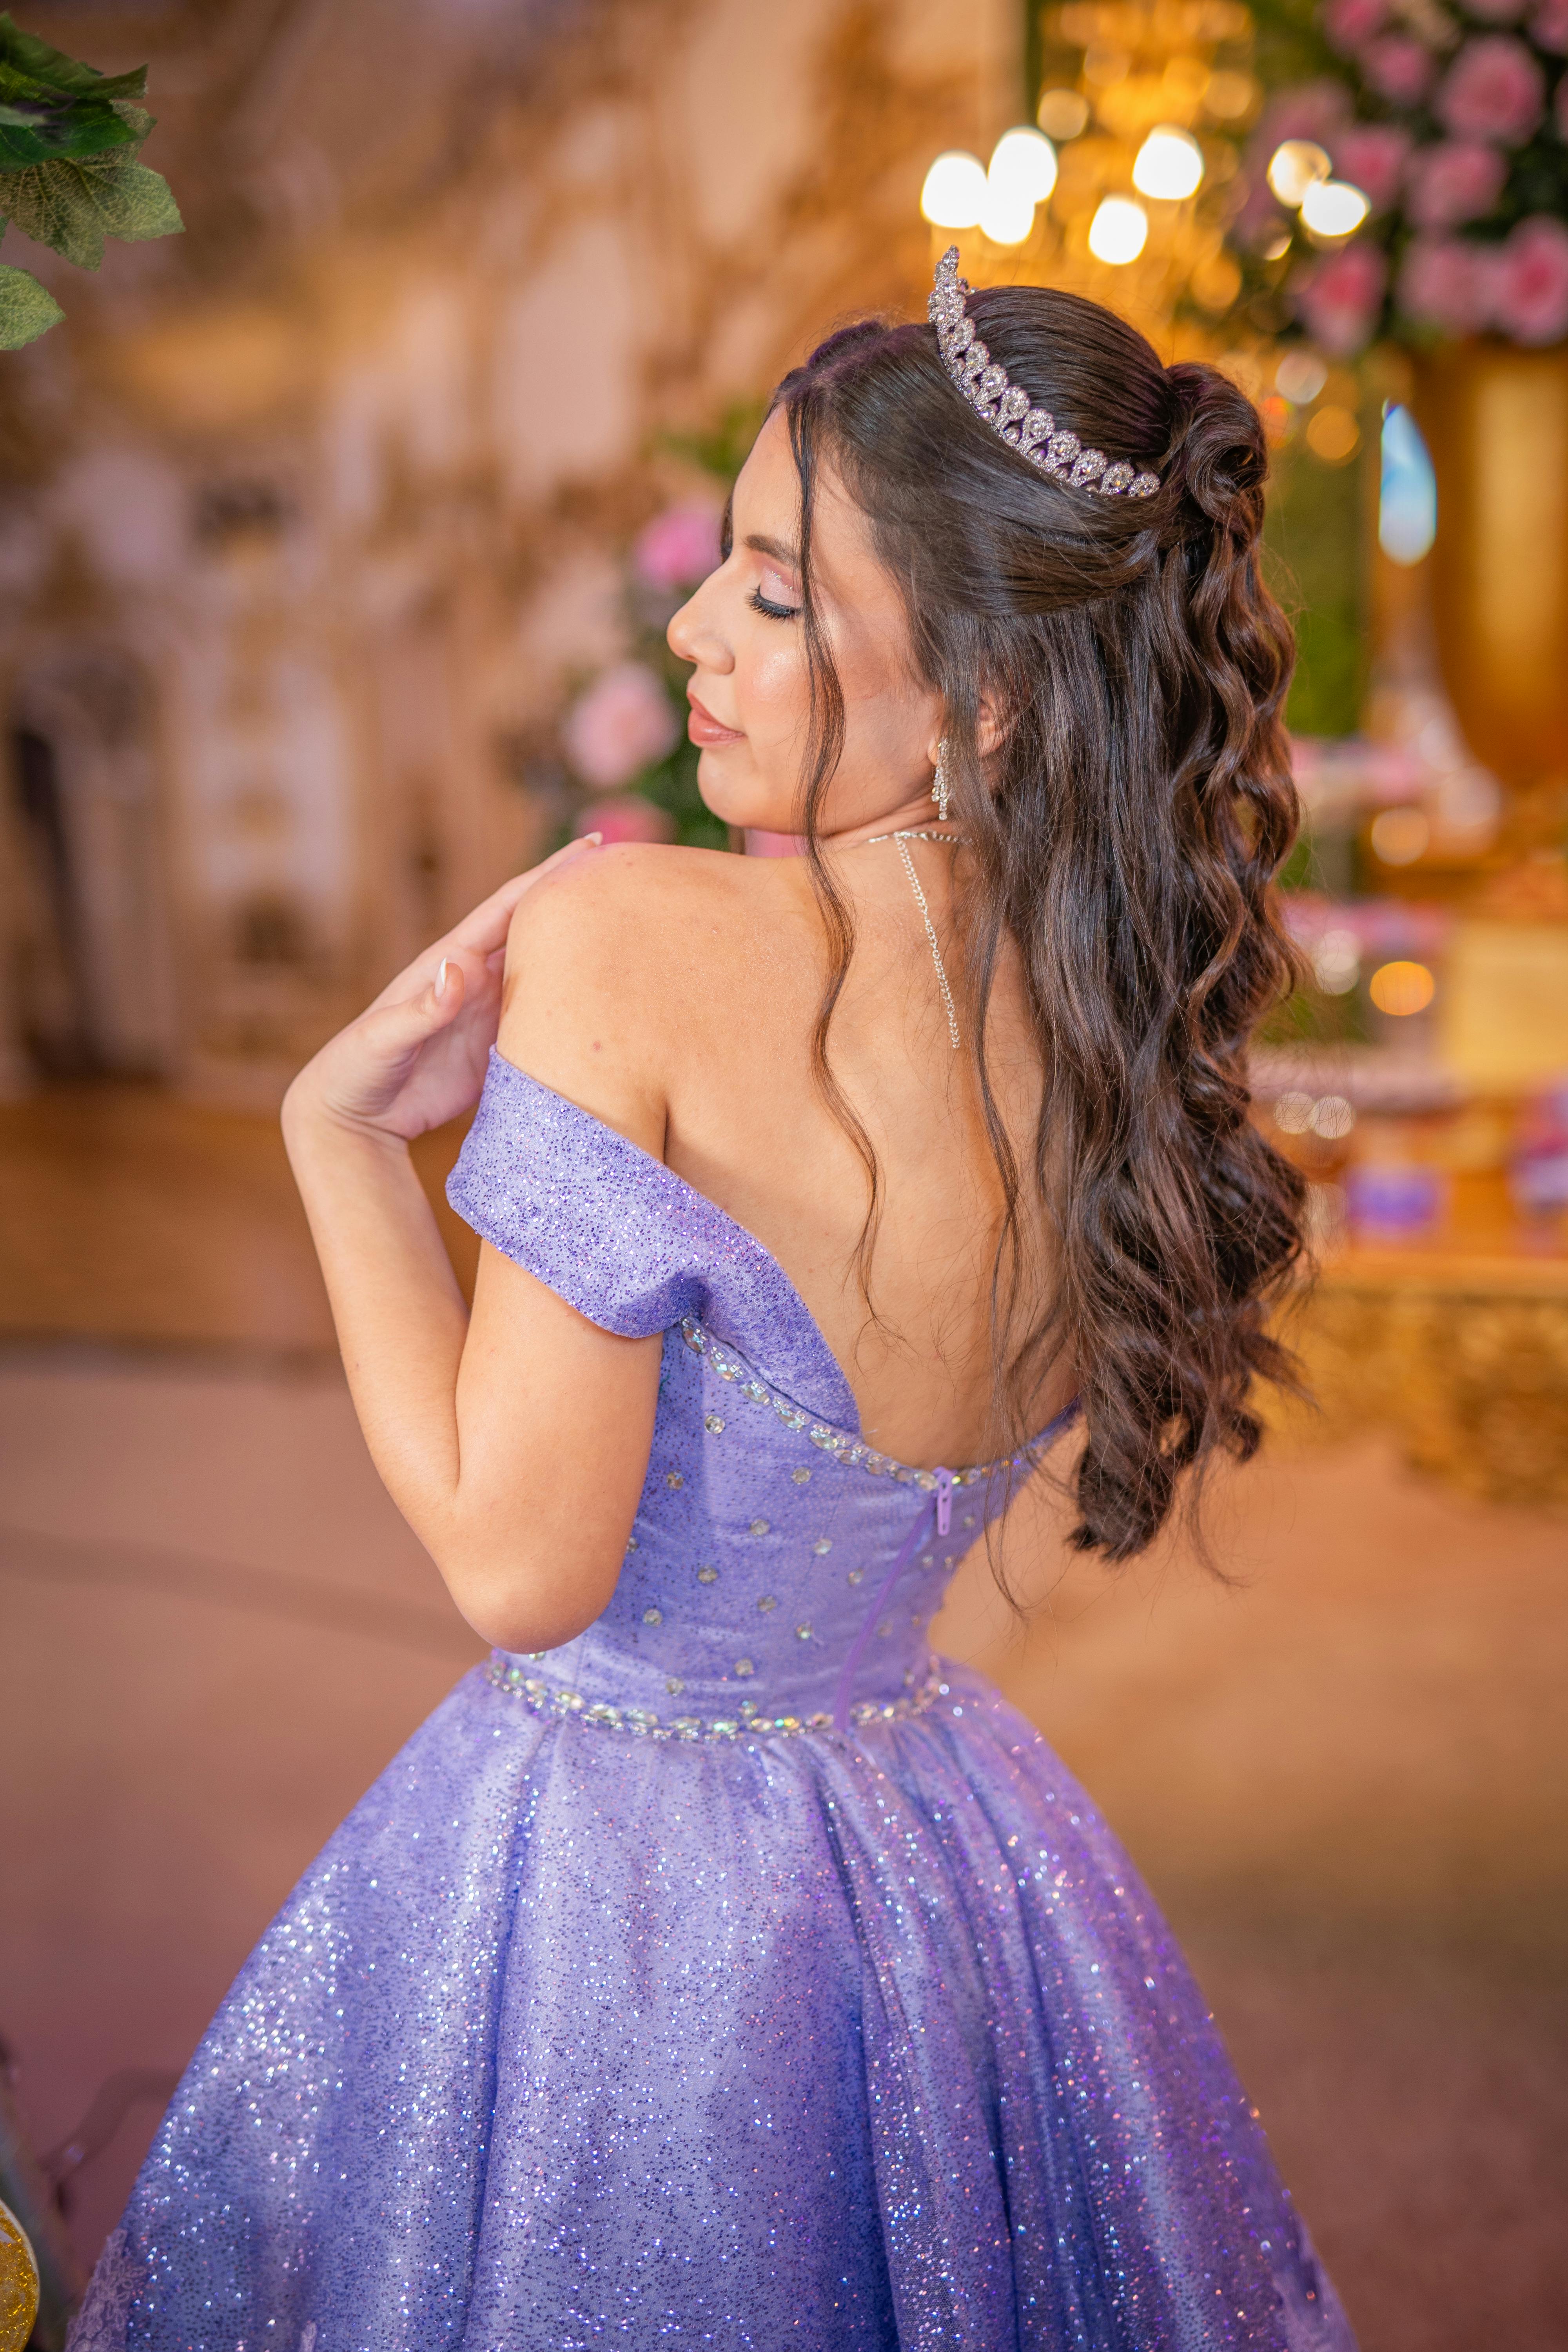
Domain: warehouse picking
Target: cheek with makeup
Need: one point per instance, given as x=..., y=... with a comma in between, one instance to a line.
x=751, y=689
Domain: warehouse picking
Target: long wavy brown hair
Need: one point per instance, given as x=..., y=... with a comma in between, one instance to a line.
x=1125, y=836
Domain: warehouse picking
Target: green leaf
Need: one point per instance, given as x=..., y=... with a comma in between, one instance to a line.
x=51, y=105
x=27, y=309
x=73, y=206
x=25, y=54
x=33, y=129
x=136, y=119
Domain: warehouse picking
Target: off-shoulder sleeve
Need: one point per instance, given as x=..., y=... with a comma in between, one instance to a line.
x=627, y=1241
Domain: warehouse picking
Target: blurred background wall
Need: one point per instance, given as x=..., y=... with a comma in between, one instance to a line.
x=313, y=515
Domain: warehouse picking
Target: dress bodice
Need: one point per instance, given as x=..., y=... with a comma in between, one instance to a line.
x=782, y=1573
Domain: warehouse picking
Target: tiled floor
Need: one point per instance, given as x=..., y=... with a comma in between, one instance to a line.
x=1344, y=1777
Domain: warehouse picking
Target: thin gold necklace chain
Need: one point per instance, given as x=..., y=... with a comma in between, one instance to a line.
x=918, y=832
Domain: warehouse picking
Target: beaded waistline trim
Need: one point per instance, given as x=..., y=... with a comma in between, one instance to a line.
x=749, y=1721
x=852, y=1451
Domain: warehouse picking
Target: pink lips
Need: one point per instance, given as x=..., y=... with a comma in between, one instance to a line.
x=703, y=728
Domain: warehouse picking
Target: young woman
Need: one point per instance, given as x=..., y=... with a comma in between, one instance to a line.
x=716, y=1967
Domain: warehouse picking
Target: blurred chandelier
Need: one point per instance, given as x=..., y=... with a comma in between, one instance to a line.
x=1121, y=189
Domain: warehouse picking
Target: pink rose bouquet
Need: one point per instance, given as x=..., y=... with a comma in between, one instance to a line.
x=1452, y=180
x=1495, y=89
x=1341, y=298
x=679, y=547
x=1451, y=119
x=623, y=723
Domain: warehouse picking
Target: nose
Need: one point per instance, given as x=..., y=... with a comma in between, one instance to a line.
x=694, y=636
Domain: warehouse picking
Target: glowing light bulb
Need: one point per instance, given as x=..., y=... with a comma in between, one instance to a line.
x=1119, y=231
x=955, y=189
x=1023, y=163
x=1294, y=167
x=1008, y=215
x=1333, y=208
x=1170, y=164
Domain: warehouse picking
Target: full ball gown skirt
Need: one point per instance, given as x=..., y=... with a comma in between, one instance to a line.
x=737, y=1974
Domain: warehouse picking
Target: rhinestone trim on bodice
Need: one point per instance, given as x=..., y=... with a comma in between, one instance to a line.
x=852, y=1451
x=553, y=1699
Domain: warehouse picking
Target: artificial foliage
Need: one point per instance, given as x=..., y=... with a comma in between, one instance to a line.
x=70, y=174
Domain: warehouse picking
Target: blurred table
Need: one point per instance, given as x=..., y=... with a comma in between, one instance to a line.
x=1458, y=1344
x=131, y=1217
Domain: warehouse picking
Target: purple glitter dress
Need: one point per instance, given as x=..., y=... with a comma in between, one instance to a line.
x=735, y=1976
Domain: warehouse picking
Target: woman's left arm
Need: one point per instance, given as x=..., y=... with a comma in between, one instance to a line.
x=510, y=1442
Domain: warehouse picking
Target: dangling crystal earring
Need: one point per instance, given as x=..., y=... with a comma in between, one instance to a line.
x=940, y=783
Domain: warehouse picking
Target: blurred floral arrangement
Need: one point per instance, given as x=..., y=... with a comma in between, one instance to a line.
x=621, y=763
x=1413, y=180
x=623, y=739
x=70, y=138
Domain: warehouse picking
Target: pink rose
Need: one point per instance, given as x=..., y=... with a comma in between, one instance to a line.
x=1446, y=282
x=1454, y=181
x=1494, y=90
x=1372, y=156
x=679, y=547
x=1530, y=286
x=1549, y=28
x=1398, y=69
x=627, y=817
x=623, y=723
x=1341, y=298
x=1350, y=23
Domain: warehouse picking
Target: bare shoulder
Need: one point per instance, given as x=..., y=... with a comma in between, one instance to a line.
x=603, y=966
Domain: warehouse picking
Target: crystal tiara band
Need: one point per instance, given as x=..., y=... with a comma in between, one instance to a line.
x=1006, y=406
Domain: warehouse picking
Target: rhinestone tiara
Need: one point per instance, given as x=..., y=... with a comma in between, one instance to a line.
x=1006, y=406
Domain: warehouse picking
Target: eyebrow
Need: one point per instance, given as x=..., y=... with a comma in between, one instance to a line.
x=760, y=544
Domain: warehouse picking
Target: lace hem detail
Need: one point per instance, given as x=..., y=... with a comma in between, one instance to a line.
x=553, y=1699
x=852, y=1451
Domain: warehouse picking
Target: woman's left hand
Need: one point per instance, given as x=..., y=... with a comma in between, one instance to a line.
x=417, y=1057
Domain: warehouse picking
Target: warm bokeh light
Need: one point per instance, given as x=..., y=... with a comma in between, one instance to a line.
x=1333, y=1118
x=1400, y=835
x=1228, y=95
x=1336, y=963
x=1296, y=165
x=1024, y=164
x=1119, y=231
x=1333, y=435
x=1402, y=988
x=1062, y=113
x=1008, y=215
x=1169, y=165
x=1333, y=208
x=1301, y=376
x=955, y=190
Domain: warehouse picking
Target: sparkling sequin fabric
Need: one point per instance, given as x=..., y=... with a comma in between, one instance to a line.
x=736, y=1976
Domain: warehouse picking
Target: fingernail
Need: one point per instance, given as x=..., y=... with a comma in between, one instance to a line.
x=596, y=838
x=441, y=976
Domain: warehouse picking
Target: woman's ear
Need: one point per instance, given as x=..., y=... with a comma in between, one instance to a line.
x=990, y=732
